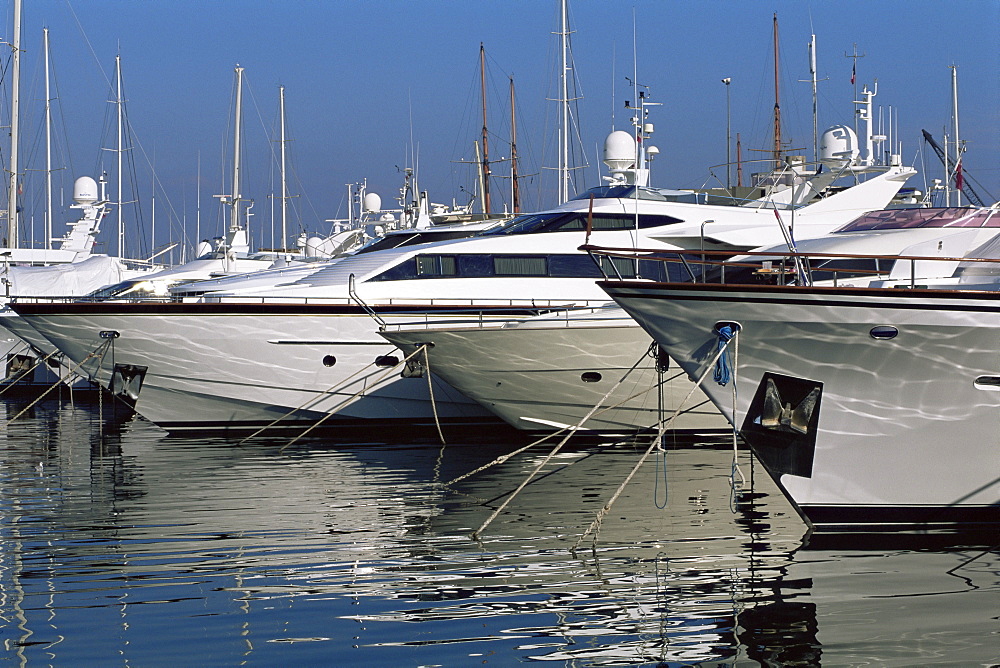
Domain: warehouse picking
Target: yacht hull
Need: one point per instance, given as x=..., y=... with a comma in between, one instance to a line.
x=871, y=408
x=224, y=366
x=543, y=378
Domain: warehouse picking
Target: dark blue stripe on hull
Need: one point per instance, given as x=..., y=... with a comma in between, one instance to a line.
x=903, y=518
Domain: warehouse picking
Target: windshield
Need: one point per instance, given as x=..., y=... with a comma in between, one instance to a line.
x=907, y=219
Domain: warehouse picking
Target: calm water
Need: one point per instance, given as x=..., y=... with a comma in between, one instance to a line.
x=124, y=547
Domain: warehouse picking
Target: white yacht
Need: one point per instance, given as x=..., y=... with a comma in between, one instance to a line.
x=306, y=348
x=575, y=369
x=875, y=405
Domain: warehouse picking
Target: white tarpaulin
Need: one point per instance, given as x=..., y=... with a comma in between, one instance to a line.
x=61, y=280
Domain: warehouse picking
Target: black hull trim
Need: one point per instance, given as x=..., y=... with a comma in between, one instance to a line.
x=340, y=428
x=874, y=519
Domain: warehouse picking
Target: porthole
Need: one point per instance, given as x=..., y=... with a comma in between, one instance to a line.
x=883, y=332
x=386, y=361
x=329, y=360
x=987, y=383
x=590, y=377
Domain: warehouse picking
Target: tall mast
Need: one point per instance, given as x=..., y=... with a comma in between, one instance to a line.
x=777, y=105
x=48, y=145
x=958, y=144
x=514, y=189
x=486, y=150
x=564, y=122
x=812, y=75
x=234, y=220
x=15, y=113
x=284, y=183
x=119, y=149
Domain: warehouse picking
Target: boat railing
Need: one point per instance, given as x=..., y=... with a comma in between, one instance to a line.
x=781, y=268
x=558, y=316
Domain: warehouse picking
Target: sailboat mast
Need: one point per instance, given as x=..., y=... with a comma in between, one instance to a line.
x=284, y=182
x=48, y=144
x=958, y=144
x=486, y=150
x=564, y=123
x=515, y=193
x=15, y=113
x=777, y=105
x=118, y=150
x=234, y=221
x=812, y=75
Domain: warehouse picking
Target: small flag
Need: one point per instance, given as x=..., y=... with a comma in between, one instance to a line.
x=854, y=69
x=959, y=178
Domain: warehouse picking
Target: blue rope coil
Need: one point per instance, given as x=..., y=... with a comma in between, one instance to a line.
x=723, y=371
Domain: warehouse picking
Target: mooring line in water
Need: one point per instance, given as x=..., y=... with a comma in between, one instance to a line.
x=734, y=487
x=331, y=413
x=655, y=443
x=94, y=353
x=316, y=397
x=503, y=458
x=430, y=389
x=951, y=571
x=478, y=532
x=22, y=374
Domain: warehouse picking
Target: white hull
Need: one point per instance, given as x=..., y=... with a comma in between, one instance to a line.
x=908, y=428
x=546, y=374
x=219, y=366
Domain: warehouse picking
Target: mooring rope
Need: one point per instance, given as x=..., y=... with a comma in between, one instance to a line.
x=735, y=487
x=475, y=534
x=502, y=458
x=430, y=390
x=316, y=397
x=94, y=353
x=331, y=413
x=595, y=525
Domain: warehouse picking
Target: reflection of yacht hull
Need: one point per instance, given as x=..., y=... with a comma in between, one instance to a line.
x=547, y=373
x=240, y=366
x=904, y=431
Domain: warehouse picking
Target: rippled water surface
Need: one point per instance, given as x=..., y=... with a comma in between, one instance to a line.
x=121, y=546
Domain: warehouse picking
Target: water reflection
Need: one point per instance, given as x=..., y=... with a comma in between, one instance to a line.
x=120, y=542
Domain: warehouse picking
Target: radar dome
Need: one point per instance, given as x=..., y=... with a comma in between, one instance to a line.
x=204, y=248
x=85, y=190
x=372, y=202
x=312, y=246
x=619, y=150
x=838, y=144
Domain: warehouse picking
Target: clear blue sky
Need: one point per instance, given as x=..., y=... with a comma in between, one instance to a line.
x=367, y=80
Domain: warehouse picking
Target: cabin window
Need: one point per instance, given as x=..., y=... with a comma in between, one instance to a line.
x=525, y=265
x=436, y=265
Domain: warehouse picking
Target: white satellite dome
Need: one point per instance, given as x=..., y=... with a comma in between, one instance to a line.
x=619, y=150
x=85, y=190
x=838, y=144
x=372, y=202
x=312, y=246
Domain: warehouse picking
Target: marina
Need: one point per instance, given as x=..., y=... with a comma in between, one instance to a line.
x=617, y=403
